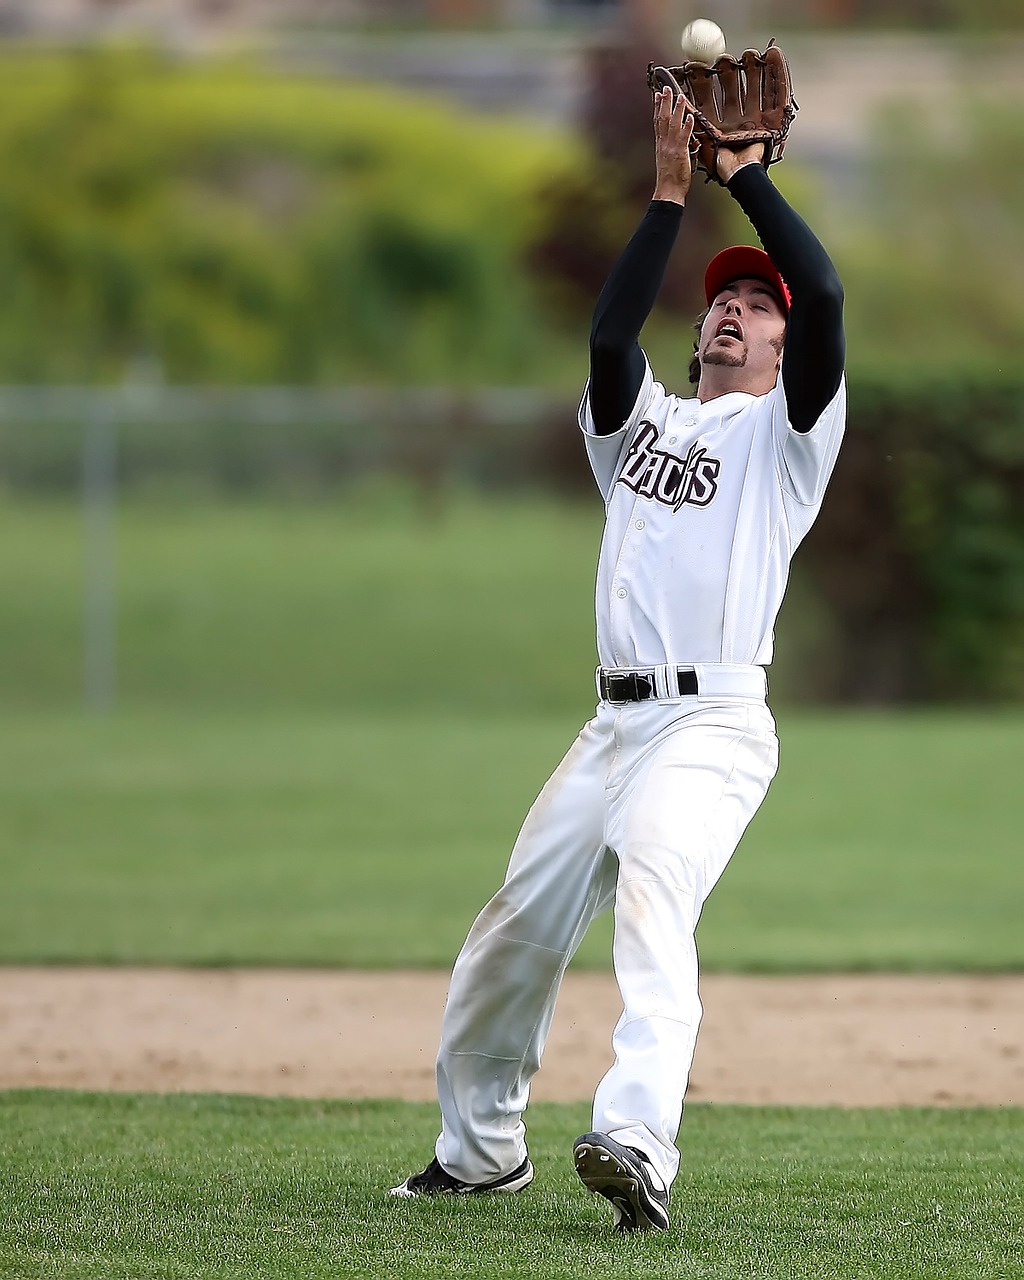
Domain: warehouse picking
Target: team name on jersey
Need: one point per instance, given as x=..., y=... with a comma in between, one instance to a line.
x=667, y=478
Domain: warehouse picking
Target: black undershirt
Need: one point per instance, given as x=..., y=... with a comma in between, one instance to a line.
x=815, y=350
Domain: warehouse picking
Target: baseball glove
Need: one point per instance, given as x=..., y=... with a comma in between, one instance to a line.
x=736, y=102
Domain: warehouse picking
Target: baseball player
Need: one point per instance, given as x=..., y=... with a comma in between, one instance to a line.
x=707, y=496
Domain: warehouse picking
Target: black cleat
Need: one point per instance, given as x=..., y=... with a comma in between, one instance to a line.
x=435, y=1181
x=625, y=1177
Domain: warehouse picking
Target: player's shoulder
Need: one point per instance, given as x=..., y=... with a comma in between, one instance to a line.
x=830, y=420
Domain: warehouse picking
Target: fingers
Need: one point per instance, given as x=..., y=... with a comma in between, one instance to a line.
x=662, y=111
x=684, y=121
x=673, y=115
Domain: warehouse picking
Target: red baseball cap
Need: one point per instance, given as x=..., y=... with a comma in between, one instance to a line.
x=742, y=262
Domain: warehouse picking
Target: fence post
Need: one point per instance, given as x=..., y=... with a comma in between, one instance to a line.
x=99, y=501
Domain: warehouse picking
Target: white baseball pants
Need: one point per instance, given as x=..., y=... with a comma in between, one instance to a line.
x=644, y=813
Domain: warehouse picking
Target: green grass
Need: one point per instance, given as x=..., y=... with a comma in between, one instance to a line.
x=364, y=603
x=102, y=1186
x=358, y=605
x=355, y=839
x=332, y=719
x=331, y=724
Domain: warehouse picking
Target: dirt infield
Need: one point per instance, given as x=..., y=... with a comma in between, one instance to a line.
x=846, y=1040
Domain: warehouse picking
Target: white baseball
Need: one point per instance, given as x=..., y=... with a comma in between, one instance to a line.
x=702, y=40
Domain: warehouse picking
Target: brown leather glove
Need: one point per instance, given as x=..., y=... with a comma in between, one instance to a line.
x=735, y=102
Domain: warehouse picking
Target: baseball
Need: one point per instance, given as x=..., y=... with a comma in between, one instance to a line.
x=702, y=40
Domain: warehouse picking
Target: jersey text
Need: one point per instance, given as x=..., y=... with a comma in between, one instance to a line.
x=672, y=481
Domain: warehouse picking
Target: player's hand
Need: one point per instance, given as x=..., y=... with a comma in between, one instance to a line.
x=729, y=161
x=673, y=162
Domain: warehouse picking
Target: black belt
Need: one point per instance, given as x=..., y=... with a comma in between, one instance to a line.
x=634, y=686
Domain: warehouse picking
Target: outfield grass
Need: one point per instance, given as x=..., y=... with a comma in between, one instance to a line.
x=362, y=604
x=354, y=839
x=324, y=748
x=103, y=1186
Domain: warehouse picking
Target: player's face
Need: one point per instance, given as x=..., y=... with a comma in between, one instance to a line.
x=744, y=329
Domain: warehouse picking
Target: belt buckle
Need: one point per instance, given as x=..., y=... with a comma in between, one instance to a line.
x=614, y=689
x=622, y=688
x=610, y=686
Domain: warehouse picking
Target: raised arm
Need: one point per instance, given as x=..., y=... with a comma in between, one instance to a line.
x=815, y=352
x=625, y=302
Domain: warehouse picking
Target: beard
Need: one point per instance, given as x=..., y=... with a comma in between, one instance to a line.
x=729, y=358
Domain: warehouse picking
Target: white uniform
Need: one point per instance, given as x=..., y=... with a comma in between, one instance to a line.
x=705, y=505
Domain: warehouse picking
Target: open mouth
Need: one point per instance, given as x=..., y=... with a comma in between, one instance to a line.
x=729, y=329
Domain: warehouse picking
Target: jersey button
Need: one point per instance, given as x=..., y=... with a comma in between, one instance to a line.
x=622, y=593
x=641, y=524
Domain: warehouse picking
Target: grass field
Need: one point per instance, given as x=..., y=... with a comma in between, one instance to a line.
x=333, y=717
x=361, y=604
x=96, y=1187
x=331, y=723
x=358, y=840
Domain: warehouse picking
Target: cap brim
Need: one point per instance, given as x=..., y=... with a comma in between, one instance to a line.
x=743, y=262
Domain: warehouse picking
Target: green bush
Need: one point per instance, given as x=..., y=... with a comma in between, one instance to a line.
x=240, y=225
x=919, y=550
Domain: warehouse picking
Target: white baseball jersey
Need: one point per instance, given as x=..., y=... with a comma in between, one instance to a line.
x=705, y=505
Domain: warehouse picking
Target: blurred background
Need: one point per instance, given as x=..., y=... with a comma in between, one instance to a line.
x=294, y=306
x=268, y=266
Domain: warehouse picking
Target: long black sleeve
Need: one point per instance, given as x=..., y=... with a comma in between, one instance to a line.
x=815, y=352
x=625, y=302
